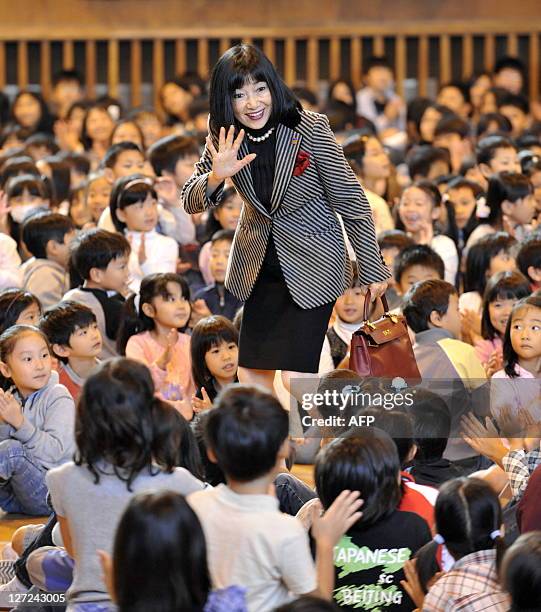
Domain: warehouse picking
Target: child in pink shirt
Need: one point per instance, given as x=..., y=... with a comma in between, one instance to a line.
x=152, y=333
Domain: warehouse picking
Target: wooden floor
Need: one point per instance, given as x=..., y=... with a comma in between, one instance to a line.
x=304, y=473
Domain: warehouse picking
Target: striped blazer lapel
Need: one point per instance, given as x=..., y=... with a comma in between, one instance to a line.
x=288, y=143
x=243, y=182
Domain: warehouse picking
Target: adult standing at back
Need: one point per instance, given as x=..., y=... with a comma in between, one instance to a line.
x=288, y=260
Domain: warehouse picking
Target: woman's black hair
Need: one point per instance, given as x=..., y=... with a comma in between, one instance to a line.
x=212, y=224
x=505, y=285
x=114, y=423
x=467, y=513
x=208, y=333
x=129, y=190
x=134, y=320
x=459, y=182
x=12, y=303
x=520, y=573
x=236, y=66
x=443, y=110
x=160, y=556
x=510, y=186
x=174, y=441
x=363, y=460
x=45, y=122
x=103, y=106
x=510, y=357
x=479, y=257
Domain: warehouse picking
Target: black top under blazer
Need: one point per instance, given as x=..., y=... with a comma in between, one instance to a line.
x=303, y=217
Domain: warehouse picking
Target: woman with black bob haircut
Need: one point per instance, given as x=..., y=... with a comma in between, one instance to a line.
x=366, y=460
x=469, y=522
x=288, y=260
x=160, y=560
x=247, y=63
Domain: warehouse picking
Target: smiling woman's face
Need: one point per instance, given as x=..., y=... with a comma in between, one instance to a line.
x=252, y=104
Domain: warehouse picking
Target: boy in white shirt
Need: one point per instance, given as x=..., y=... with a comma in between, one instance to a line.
x=250, y=543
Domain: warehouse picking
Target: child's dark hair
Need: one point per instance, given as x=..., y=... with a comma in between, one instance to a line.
x=365, y=460
x=96, y=248
x=42, y=227
x=160, y=535
x=354, y=150
x=468, y=518
x=460, y=86
x=77, y=161
x=530, y=163
x=60, y=179
x=516, y=101
x=485, y=121
x=420, y=159
x=397, y=423
x=394, y=239
x=166, y=152
x=174, y=441
x=460, y=182
x=12, y=303
x=207, y=334
x=487, y=147
x=212, y=225
x=520, y=573
x=509, y=62
x=505, y=186
x=418, y=255
x=67, y=75
x=510, y=357
x=33, y=184
x=16, y=166
x=45, y=121
x=42, y=140
x=9, y=339
x=61, y=321
x=113, y=153
x=115, y=421
x=134, y=320
x=245, y=431
x=222, y=235
x=122, y=122
x=422, y=299
x=502, y=286
x=479, y=257
x=129, y=190
x=452, y=124
x=431, y=424
x=529, y=254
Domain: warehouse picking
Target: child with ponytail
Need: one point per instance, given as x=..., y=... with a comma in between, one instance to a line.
x=469, y=523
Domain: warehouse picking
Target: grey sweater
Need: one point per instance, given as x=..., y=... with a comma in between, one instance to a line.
x=46, y=279
x=48, y=430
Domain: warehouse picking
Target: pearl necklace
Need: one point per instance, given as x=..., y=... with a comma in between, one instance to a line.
x=260, y=138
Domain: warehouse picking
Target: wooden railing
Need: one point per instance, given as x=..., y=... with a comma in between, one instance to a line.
x=421, y=51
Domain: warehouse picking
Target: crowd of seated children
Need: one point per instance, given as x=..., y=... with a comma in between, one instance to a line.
x=98, y=259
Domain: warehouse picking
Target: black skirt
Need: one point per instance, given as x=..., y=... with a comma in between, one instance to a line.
x=276, y=333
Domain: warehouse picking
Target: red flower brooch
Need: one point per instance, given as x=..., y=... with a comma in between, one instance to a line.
x=301, y=163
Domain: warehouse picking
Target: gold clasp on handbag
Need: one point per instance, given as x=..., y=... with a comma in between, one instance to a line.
x=370, y=325
x=393, y=317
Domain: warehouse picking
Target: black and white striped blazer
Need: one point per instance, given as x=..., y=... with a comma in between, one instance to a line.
x=303, y=217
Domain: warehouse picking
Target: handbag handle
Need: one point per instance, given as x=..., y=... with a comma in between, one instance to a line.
x=367, y=305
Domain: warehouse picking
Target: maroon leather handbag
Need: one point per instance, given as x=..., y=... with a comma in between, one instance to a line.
x=382, y=348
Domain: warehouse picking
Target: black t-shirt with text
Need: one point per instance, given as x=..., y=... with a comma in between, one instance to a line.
x=369, y=563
